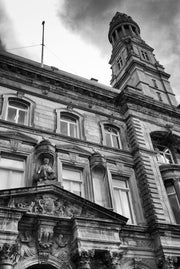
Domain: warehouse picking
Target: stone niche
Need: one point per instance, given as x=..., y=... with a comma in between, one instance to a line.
x=44, y=163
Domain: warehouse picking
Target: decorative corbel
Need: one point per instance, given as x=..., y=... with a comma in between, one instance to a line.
x=45, y=233
x=113, y=259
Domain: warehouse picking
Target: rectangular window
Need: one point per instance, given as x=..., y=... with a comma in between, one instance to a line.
x=173, y=199
x=11, y=173
x=72, y=180
x=122, y=197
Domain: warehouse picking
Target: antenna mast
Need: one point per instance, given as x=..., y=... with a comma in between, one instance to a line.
x=42, y=51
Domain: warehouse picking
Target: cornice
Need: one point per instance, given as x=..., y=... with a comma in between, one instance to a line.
x=130, y=95
x=50, y=77
x=137, y=63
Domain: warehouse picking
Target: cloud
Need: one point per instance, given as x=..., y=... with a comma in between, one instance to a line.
x=90, y=19
x=159, y=23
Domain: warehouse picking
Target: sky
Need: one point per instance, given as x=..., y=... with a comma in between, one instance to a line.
x=76, y=33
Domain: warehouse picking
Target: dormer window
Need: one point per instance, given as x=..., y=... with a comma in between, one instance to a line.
x=17, y=111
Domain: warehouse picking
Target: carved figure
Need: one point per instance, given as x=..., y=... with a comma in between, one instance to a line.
x=45, y=171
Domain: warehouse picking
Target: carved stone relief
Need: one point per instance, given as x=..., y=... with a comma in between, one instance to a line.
x=9, y=253
x=51, y=205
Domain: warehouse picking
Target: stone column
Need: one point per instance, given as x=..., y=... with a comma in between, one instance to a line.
x=8, y=256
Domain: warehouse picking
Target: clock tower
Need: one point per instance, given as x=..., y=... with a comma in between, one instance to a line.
x=133, y=62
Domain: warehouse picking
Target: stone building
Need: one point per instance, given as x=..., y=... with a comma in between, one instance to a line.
x=89, y=174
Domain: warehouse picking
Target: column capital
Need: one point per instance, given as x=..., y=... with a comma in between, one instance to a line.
x=9, y=254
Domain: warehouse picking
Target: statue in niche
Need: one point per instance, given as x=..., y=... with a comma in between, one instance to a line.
x=45, y=171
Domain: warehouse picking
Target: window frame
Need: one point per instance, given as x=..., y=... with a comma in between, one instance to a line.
x=71, y=114
x=16, y=157
x=163, y=155
x=145, y=56
x=126, y=190
x=175, y=184
x=118, y=130
x=27, y=101
x=74, y=168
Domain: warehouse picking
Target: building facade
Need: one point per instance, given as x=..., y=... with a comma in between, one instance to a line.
x=89, y=174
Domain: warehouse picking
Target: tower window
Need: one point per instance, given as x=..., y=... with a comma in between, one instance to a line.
x=120, y=62
x=159, y=96
x=154, y=83
x=145, y=55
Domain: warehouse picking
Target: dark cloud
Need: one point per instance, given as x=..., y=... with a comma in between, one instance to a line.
x=159, y=22
x=90, y=19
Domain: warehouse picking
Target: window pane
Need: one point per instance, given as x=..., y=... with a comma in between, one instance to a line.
x=11, y=114
x=73, y=175
x=174, y=202
x=64, y=128
x=108, y=140
x=11, y=163
x=175, y=207
x=126, y=205
x=11, y=179
x=119, y=183
x=100, y=187
x=22, y=117
x=115, y=141
x=72, y=180
x=11, y=173
x=67, y=185
x=76, y=188
x=73, y=130
x=18, y=103
x=122, y=197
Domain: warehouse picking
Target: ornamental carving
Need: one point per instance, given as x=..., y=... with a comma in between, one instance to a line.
x=167, y=262
x=27, y=244
x=113, y=259
x=49, y=206
x=9, y=253
x=43, y=243
x=85, y=257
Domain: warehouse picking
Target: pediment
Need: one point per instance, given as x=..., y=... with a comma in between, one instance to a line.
x=54, y=201
x=73, y=149
x=13, y=135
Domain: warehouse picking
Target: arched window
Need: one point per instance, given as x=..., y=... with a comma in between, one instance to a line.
x=69, y=124
x=17, y=111
x=112, y=137
x=164, y=154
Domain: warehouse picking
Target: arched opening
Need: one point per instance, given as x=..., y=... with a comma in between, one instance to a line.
x=42, y=266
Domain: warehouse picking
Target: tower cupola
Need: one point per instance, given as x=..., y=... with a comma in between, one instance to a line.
x=122, y=26
x=133, y=62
